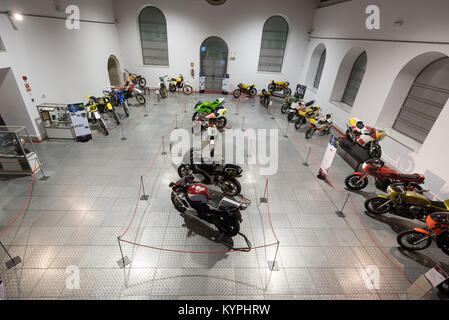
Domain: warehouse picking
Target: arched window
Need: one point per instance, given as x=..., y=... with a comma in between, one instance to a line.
x=319, y=71
x=355, y=80
x=427, y=97
x=153, y=37
x=272, y=47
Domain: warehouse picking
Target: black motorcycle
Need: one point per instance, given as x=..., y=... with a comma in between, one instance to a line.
x=222, y=212
x=223, y=176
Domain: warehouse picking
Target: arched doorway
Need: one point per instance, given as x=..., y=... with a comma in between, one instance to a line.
x=214, y=62
x=114, y=71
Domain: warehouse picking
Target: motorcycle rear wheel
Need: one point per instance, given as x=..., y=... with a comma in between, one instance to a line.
x=375, y=152
x=284, y=108
x=230, y=226
x=355, y=183
x=407, y=239
x=237, y=93
x=372, y=205
x=142, y=82
x=187, y=90
x=178, y=206
x=141, y=99
x=230, y=186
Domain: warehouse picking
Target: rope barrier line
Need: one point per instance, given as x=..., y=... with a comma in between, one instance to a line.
x=359, y=217
x=24, y=204
x=185, y=251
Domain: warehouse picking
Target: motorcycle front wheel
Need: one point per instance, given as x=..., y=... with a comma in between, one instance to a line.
x=142, y=83
x=222, y=121
x=126, y=108
x=290, y=116
x=172, y=87
x=287, y=92
x=355, y=183
x=163, y=92
x=253, y=92
x=299, y=122
x=310, y=132
x=378, y=205
x=236, y=93
x=140, y=99
x=115, y=115
x=413, y=240
x=284, y=108
x=183, y=170
x=230, y=186
x=177, y=205
x=271, y=87
x=103, y=126
x=187, y=90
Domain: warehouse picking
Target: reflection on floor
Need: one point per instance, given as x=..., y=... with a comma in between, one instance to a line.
x=73, y=220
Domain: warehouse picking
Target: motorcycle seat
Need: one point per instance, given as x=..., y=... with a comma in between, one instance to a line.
x=411, y=176
x=311, y=102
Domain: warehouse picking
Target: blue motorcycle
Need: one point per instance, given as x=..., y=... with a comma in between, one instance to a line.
x=118, y=98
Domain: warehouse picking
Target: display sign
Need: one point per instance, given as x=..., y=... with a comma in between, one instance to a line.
x=300, y=91
x=329, y=156
x=80, y=123
x=202, y=82
x=225, y=84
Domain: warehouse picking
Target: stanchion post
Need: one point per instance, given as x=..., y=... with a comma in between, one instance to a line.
x=286, y=131
x=41, y=168
x=176, y=121
x=123, y=133
x=340, y=212
x=306, y=163
x=273, y=266
x=124, y=261
x=145, y=106
x=13, y=261
x=243, y=123
x=264, y=199
x=144, y=196
x=163, y=147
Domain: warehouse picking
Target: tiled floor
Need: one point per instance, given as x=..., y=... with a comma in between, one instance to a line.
x=73, y=220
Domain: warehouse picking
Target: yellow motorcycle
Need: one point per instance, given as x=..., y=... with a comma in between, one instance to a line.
x=280, y=86
x=405, y=203
x=94, y=115
x=179, y=83
x=304, y=114
x=105, y=105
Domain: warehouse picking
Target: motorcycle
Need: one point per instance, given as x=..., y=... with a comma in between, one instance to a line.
x=104, y=105
x=322, y=123
x=250, y=90
x=383, y=177
x=304, y=114
x=405, y=203
x=223, y=176
x=280, y=86
x=365, y=136
x=118, y=99
x=222, y=212
x=93, y=115
x=135, y=79
x=207, y=107
x=218, y=113
x=421, y=238
x=162, y=88
x=132, y=92
x=179, y=83
x=265, y=97
x=288, y=101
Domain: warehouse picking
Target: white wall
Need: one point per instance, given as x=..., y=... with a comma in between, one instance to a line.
x=238, y=23
x=423, y=21
x=64, y=65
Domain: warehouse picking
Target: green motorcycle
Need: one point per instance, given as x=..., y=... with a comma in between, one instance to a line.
x=207, y=107
x=288, y=101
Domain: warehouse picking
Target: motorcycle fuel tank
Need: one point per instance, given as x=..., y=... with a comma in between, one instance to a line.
x=416, y=199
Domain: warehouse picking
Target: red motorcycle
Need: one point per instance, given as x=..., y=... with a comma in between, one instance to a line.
x=383, y=177
x=132, y=92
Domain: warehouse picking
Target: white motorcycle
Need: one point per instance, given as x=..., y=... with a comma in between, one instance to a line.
x=365, y=136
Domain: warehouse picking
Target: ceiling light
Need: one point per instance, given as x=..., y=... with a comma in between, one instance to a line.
x=17, y=16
